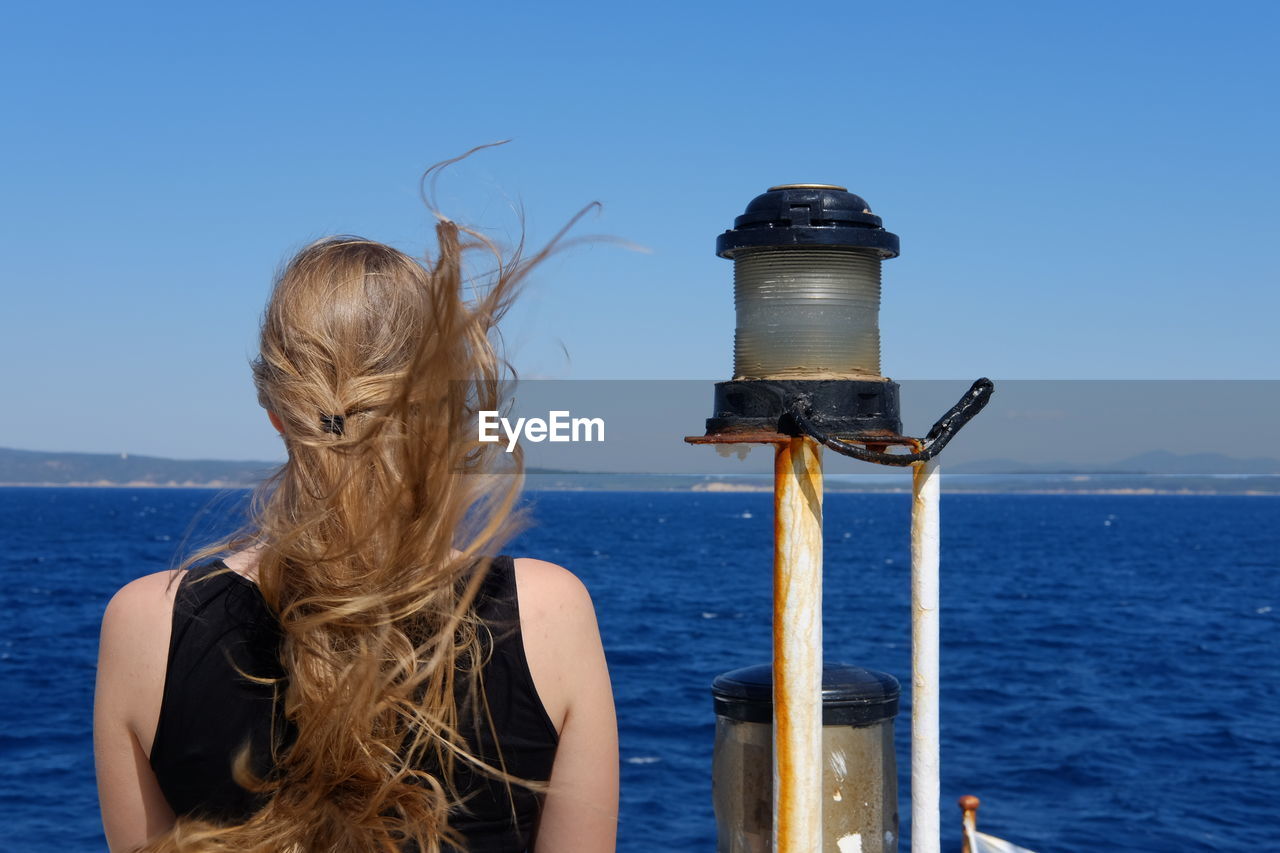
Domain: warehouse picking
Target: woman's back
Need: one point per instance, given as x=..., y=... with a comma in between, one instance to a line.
x=144, y=719
x=223, y=629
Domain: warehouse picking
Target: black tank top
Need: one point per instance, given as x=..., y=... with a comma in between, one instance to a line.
x=222, y=627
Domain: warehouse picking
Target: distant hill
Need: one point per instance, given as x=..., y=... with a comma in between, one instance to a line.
x=1158, y=462
x=36, y=468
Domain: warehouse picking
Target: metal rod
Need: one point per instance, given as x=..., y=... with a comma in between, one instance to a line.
x=969, y=821
x=925, y=779
x=797, y=647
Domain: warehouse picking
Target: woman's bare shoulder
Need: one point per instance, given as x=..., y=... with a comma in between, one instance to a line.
x=547, y=586
x=558, y=625
x=134, y=651
x=567, y=662
x=144, y=600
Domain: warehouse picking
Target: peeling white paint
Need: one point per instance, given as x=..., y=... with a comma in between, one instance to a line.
x=851, y=843
x=925, y=777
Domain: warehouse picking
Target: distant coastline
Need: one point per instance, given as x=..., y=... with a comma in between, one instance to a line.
x=108, y=484
x=39, y=469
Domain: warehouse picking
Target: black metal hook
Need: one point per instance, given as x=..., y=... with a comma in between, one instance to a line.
x=930, y=446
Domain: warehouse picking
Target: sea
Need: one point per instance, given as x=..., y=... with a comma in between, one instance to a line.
x=1110, y=663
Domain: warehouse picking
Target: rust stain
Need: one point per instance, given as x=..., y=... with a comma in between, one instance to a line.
x=917, y=481
x=784, y=757
x=969, y=811
x=754, y=437
x=796, y=578
x=873, y=439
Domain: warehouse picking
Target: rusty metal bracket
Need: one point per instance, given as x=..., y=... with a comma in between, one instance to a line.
x=930, y=446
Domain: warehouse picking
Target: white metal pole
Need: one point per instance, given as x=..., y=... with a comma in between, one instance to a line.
x=797, y=647
x=926, y=783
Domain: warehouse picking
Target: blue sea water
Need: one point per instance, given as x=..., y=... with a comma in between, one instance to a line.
x=1110, y=664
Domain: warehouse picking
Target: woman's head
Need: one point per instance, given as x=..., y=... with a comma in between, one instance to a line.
x=344, y=326
x=375, y=365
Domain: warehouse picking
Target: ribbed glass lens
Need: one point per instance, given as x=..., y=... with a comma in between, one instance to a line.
x=807, y=312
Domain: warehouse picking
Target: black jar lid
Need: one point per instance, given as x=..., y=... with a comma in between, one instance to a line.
x=851, y=695
x=807, y=215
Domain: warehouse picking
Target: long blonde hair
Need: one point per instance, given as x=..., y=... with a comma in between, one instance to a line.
x=369, y=538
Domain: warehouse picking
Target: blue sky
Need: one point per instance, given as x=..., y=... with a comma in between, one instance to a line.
x=1083, y=190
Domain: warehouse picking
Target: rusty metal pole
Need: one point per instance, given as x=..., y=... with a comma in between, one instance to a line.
x=797, y=647
x=925, y=779
x=969, y=821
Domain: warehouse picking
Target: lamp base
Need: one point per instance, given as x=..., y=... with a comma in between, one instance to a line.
x=846, y=407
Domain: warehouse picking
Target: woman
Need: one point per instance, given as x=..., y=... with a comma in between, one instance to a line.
x=358, y=673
